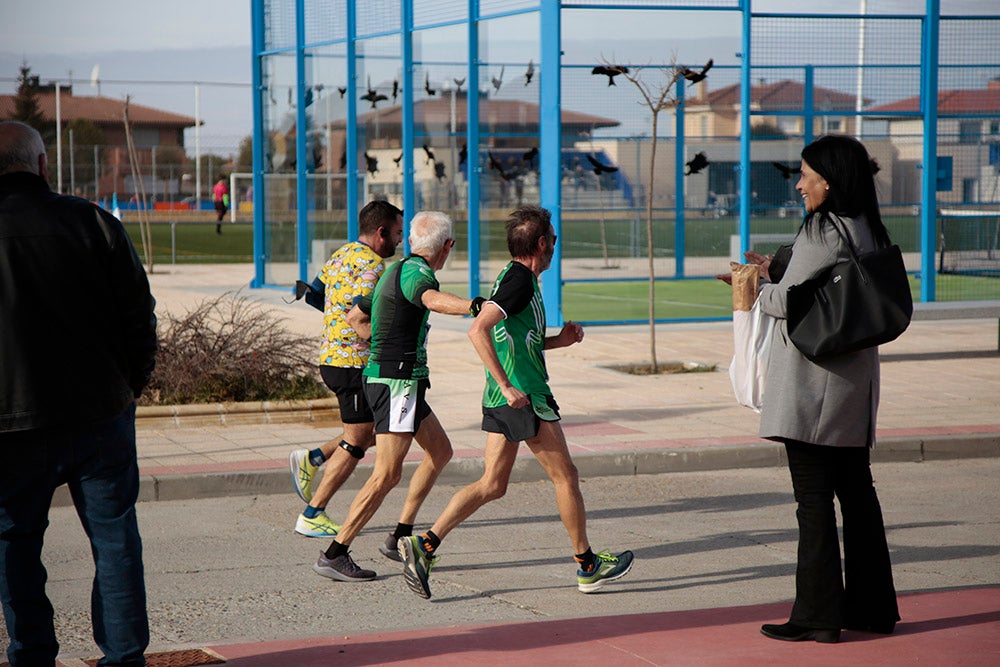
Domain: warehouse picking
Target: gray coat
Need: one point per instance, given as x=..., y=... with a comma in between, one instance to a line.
x=828, y=402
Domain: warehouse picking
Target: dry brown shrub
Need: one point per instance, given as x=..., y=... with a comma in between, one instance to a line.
x=230, y=349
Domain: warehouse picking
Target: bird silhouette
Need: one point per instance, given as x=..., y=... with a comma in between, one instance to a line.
x=463, y=154
x=696, y=164
x=786, y=171
x=395, y=90
x=495, y=164
x=373, y=95
x=372, y=163
x=498, y=81
x=610, y=71
x=530, y=73
x=341, y=91
x=439, y=171
x=430, y=154
x=398, y=159
x=459, y=83
x=309, y=97
x=695, y=77
x=431, y=92
x=530, y=155
x=600, y=168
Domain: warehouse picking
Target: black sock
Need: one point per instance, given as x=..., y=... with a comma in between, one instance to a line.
x=335, y=549
x=403, y=530
x=586, y=560
x=431, y=541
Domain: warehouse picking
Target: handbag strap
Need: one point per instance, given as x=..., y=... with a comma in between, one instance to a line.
x=850, y=249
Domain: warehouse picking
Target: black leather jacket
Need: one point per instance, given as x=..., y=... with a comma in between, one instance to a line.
x=77, y=327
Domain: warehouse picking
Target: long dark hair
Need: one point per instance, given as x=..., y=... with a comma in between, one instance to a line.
x=850, y=172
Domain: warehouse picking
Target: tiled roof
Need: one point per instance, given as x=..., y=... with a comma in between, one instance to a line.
x=100, y=110
x=952, y=101
x=779, y=96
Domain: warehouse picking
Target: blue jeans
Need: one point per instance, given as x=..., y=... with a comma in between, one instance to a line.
x=98, y=462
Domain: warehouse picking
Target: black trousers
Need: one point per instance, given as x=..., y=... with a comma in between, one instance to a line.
x=864, y=595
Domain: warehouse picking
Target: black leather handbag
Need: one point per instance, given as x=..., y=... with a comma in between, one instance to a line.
x=859, y=303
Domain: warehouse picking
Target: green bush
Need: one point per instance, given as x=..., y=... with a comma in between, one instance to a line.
x=230, y=349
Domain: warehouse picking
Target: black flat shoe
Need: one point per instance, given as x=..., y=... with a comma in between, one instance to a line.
x=790, y=632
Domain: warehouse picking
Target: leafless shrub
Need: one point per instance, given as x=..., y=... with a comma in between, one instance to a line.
x=230, y=349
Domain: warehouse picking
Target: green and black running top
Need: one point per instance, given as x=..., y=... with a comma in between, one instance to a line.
x=519, y=338
x=399, y=321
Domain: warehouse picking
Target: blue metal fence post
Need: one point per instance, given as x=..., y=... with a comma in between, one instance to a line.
x=679, y=202
x=745, y=100
x=928, y=108
x=472, y=168
x=550, y=129
x=257, y=28
x=351, y=126
x=301, y=130
x=409, y=190
x=808, y=105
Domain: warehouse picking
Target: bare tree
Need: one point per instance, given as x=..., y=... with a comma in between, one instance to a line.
x=656, y=97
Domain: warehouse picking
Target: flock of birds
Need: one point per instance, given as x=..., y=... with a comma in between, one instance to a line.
x=695, y=165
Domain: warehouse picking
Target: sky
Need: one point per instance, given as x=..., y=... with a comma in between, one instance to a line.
x=155, y=52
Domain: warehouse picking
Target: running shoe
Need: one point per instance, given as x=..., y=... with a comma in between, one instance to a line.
x=341, y=568
x=416, y=565
x=303, y=472
x=390, y=548
x=319, y=526
x=607, y=568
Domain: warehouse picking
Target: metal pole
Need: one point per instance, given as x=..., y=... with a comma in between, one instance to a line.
x=72, y=170
x=679, y=199
x=173, y=242
x=859, y=101
x=153, y=187
x=928, y=103
x=97, y=174
x=197, y=147
x=59, y=170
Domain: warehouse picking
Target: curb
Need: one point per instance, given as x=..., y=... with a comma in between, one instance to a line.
x=220, y=484
x=230, y=414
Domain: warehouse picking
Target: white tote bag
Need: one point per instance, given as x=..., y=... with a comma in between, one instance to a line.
x=751, y=346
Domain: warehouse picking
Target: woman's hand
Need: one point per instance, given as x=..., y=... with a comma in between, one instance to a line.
x=763, y=262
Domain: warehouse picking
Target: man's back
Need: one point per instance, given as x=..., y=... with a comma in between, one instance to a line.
x=78, y=334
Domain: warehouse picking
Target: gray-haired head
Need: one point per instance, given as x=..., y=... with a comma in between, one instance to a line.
x=429, y=230
x=20, y=147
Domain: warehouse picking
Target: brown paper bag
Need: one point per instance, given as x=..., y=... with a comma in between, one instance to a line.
x=746, y=278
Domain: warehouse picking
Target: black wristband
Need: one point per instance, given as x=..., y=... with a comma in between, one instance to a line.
x=477, y=305
x=353, y=450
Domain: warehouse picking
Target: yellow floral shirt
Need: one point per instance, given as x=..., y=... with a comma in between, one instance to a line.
x=351, y=271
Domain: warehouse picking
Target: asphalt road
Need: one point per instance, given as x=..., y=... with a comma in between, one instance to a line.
x=231, y=569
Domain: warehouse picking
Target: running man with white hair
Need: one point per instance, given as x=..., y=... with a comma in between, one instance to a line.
x=396, y=378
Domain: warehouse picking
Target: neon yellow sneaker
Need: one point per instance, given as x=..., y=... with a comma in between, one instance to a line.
x=607, y=568
x=303, y=472
x=319, y=526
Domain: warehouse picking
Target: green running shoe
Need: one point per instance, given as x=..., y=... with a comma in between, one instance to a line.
x=303, y=472
x=416, y=565
x=607, y=568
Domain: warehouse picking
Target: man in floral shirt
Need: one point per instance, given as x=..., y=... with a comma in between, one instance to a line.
x=350, y=273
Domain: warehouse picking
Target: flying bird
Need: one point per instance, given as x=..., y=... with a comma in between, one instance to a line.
x=439, y=171
x=341, y=91
x=463, y=154
x=459, y=83
x=530, y=73
x=600, y=168
x=372, y=163
x=786, y=171
x=696, y=164
x=430, y=155
x=395, y=90
x=530, y=155
x=373, y=95
x=398, y=159
x=610, y=71
x=498, y=81
x=495, y=164
x=427, y=85
x=695, y=77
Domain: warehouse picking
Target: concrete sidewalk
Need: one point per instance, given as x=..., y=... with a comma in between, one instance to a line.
x=940, y=399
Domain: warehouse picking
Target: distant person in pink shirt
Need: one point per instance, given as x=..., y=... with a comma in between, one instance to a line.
x=220, y=195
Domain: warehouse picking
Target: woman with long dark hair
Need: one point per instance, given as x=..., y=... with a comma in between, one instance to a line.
x=824, y=412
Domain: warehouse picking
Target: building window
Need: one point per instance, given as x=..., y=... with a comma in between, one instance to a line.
x=995, y=127
x=969, y=131
x=146, y=137
x=834, y=125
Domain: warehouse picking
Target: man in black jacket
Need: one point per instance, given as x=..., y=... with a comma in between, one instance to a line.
x=77, y=346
